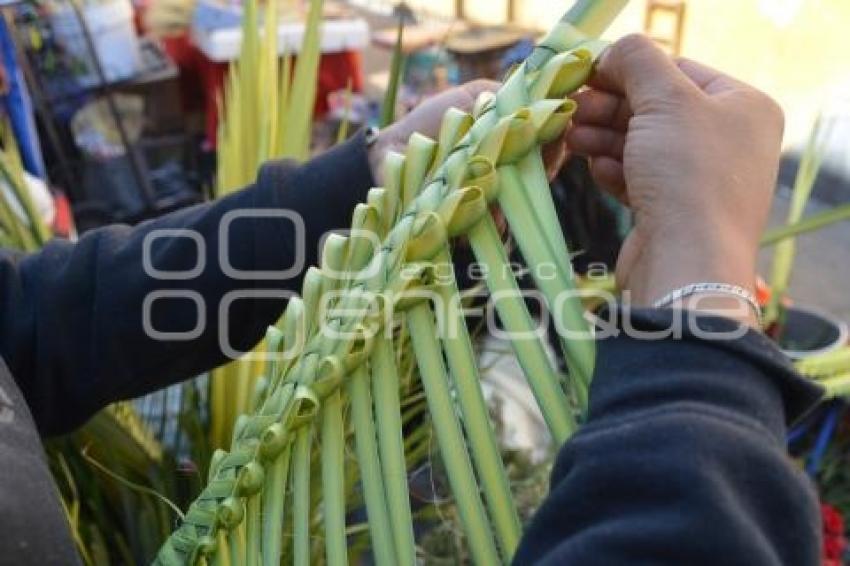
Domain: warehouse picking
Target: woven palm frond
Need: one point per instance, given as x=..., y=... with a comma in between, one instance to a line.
x=328, y=437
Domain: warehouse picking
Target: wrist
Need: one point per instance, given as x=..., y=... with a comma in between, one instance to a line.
x=676, y=262
x=683, y=262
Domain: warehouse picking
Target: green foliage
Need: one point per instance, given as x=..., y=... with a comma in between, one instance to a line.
x=783, y=259
x=388, y=109
x=267, y=114
x=27, y=233
x=807, y=225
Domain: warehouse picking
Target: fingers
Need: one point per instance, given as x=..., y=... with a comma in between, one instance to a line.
x=468, y=93
x=639, y=70
x=476, y=87
x=555, y=155
x=427, y=117
x=608, y=174
x=597, y=142
x=461, y=97
x=709, y=80
x=599, y=108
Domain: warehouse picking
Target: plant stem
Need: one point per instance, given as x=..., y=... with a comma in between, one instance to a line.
x=385, y=389
x=809, y=224
x=300, y=112
x=274, y=498
x=824, y=365
x=449, y=436
x=370, y=467
x=586, y=19
x=783, y=258
x=396, y=71
x=274, y=490
x=838, y=386
x=593, y=17
x=537, y=249
x=253, y=528
x=333, y=480
x=476, y=421
x=301, y=496
x=236, y=544
x=37, y=228
x=544, y=381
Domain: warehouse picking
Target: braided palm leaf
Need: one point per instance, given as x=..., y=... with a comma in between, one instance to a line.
x=280, y=492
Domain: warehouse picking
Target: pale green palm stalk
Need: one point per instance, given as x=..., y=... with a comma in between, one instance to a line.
x=439, y=202
x=809, y=224
x=836, y=386
x=783, y=258
x=29, y=234
x=826, y=365
x=831, y=370
x=388, y=109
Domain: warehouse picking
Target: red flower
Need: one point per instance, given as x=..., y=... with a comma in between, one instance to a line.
x=833, y=547
x=834, y=542
x=833, y=522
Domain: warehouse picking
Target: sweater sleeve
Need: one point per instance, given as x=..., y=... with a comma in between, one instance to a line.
x=127, y=310
x=682, y=459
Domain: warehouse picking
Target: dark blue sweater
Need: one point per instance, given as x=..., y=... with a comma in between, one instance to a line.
x=682, y=460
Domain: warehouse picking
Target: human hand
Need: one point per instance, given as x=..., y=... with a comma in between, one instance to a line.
x=695, y=154
x=425, y=119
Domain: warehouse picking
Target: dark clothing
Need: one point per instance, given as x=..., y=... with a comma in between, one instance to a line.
x=72, y=333
x=682, y=460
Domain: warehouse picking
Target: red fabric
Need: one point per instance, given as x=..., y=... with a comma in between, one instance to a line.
x=201, y=80
x=191, y=63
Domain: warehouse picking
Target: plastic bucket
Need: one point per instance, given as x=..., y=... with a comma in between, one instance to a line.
x=113, y=34
x=808, y=333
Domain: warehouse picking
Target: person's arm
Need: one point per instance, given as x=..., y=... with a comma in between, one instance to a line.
x=72, y=328
x=682, y=459
x=72, y=325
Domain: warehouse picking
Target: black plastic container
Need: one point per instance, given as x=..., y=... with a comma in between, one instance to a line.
x=807, y=332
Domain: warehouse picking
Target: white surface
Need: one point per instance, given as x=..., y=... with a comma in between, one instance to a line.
x=223, y=45
x=113, y=33
x=502, y=378
x=39, y=194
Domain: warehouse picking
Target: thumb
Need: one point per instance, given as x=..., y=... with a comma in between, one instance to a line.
x=638, y=69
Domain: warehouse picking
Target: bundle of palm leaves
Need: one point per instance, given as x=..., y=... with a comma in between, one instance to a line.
x=378, y=341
